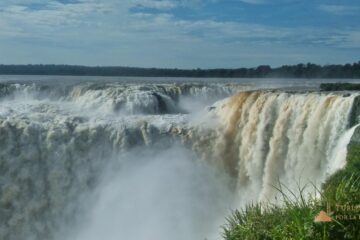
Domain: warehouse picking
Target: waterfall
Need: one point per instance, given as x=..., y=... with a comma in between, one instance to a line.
x=67, y=150
x=338, y=160
x=264, y=138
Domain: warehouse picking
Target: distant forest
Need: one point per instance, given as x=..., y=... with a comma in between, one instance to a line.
x=308, y=70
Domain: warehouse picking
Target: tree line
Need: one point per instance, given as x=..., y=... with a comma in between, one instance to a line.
x=308, y=70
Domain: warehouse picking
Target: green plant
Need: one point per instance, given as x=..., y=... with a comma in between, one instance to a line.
x=294, y=217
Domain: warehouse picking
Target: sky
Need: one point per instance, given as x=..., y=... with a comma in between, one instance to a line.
x=179, y=33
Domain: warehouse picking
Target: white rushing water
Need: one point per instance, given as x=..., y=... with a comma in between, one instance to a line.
x=269, y=137
x=165, y=196
x=338, y=160
x=92, y=160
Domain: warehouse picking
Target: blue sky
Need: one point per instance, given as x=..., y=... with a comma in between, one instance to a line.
x=179, y=33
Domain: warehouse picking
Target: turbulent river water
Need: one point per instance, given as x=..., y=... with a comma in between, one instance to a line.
x=157, y=159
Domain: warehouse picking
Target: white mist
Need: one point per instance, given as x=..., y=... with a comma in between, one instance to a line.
x=167, y=195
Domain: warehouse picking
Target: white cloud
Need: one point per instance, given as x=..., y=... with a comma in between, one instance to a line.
x=156, y=4
x=253, y=1
x=268, y=2
x=108, y=32
x=338, y=9
x=51, y=14
x=114, y=20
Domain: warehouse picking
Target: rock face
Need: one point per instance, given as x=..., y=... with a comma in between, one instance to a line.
x=355, y=112
x=355, y=140
x=354, y=120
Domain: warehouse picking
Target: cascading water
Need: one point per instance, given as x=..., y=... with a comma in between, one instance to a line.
x=264, y=138
x=117, y=160
x=57, y=142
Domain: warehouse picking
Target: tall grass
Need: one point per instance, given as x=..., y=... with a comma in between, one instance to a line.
x=294, y=217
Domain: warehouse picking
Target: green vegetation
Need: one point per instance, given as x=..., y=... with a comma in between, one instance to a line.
x=308, y=70
x=295, y=218
x=340, y=86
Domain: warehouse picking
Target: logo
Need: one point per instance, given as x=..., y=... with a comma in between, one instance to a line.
x=342, y=213
x=324, y=216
